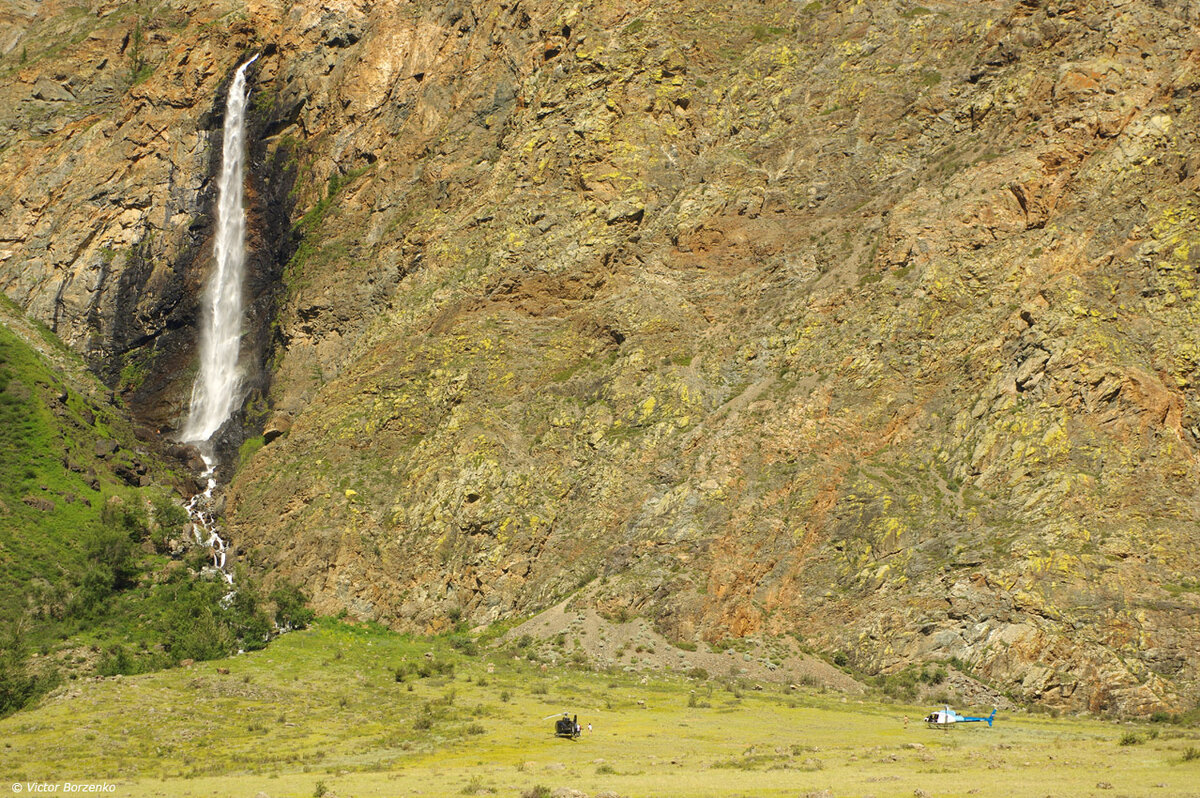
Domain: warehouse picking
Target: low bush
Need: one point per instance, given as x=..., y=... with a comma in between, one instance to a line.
x=291, y=606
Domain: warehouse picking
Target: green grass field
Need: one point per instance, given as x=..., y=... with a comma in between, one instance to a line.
x=322, y=712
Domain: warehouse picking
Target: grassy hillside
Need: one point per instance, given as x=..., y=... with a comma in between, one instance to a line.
x=96, y=573
x=64, y=456
x=346, y=710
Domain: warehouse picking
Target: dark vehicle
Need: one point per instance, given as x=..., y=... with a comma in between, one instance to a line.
x=567, y=727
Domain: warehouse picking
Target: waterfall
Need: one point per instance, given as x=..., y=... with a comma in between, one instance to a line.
x=216, y=392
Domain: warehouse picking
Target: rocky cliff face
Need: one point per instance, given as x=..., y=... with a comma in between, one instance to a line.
x=113, y=119
x=869, y=322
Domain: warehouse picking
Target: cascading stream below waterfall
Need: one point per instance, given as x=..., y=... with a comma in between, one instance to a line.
x=204, y=526
x=216, y=393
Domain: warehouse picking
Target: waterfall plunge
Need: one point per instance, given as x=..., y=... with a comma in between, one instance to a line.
x=216, y=392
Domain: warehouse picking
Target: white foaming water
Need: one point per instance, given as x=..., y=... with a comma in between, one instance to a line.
x=204, y=522
x=216, y=392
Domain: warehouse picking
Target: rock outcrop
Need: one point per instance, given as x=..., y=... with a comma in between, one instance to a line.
x=867, y=322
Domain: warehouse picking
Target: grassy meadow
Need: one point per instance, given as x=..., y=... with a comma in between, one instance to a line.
x=347, y=710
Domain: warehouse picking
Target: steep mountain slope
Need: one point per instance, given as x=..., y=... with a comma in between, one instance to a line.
x=99, y=573
x=75, y=500
x=868, y=322
x=65, y=451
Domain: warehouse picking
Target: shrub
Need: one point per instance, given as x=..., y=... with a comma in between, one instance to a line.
x=202, y=637
x=475, y=786
x=169, y=518
x=902, y=685
x=195, y=625
x=247, y=621
x=115, y=660
x=464, y=644
x=119, y=516
x=18, y=686
x=291, y=606
x=111, y=566
x=934, y=674
x=1130, y=738
x=959, y=665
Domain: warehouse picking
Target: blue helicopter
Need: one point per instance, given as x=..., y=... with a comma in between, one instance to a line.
x=945, y=718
